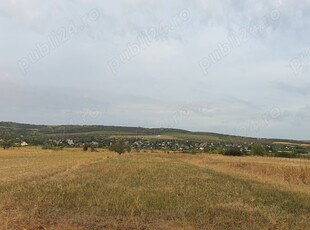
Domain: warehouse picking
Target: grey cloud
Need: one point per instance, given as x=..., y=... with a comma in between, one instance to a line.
x=74, y=84
x=293, y=88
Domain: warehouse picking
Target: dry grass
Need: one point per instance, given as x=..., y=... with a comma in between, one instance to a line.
x=289, y=174
x=72, y=189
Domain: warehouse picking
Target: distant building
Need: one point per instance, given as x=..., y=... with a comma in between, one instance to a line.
x=24, y=143
x=70, y=142
x=203, y=145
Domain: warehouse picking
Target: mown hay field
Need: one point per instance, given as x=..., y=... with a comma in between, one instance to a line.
x=72, y=189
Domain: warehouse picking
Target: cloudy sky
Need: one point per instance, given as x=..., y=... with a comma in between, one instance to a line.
x=235, y=67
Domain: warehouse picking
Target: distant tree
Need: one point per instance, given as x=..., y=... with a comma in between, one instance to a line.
x=258, y=150
x=6, y=144
x=120, y=147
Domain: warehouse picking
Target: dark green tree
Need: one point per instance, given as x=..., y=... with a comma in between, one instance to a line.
x=258, y=150
x=6, y=144
x=120, y=147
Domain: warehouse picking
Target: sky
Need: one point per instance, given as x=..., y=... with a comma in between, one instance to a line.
x=234, y=67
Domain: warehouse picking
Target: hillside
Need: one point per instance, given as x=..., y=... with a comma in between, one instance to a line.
x=17, y=129
x=139, y=138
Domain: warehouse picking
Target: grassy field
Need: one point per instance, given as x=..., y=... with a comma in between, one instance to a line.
x=71, y=189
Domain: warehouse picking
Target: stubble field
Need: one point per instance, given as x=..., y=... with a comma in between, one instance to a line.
x=72, y=189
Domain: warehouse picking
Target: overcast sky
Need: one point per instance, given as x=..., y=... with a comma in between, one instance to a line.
x=235, y=67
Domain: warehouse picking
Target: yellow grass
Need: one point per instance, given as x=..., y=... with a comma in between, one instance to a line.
x=72, y=189
x=289, y=174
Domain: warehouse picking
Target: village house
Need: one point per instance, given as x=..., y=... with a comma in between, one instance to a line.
x=70, y=142
x=23, y=144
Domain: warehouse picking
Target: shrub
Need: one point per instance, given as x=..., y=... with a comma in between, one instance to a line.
x=219, y=150
x=85, y=148
x=233, y=152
